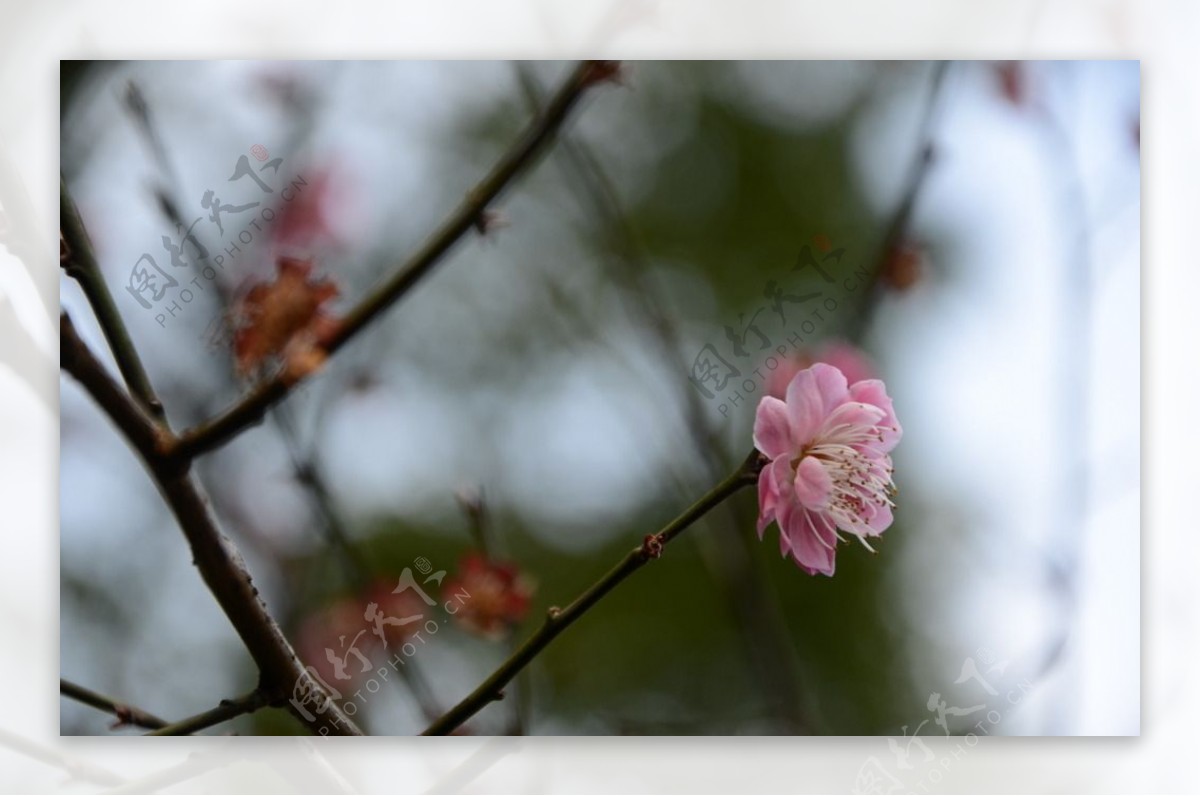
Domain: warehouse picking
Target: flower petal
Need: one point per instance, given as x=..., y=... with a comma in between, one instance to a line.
x=767, y=498
x=849, y=421
x=803, y=407
x=813, y=484
x=879, y=518
x=812, y=556
x=786, y=510
x=851, y=361
x=813, y=393
x=771, y=428
x=785, y=544
x=831, y=384
x=826, y=529
x=774, y=491
x=837, y=441
x=872, y=391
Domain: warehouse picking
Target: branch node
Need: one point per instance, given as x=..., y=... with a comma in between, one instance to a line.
x=753, y=465
x=489, y=221
x=166, y=444
x=124, y=717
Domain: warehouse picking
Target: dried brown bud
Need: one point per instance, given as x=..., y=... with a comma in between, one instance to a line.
x=904, y=266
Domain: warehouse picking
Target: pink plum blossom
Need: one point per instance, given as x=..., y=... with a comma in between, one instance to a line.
x=847, y=358
x=829, y=468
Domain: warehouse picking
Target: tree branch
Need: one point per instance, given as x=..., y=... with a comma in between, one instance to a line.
x=469, y=214
x=559, y=620
x=219, y=562
x=79, y=261
x=226, y=710
x=145, y=434
x=126, y=714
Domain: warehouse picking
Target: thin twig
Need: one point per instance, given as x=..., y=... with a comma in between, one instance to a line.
x=280, y=670
x=127, y=715
x=79, y=261
x=469, y=215
x=226, y=710
x=558, y=620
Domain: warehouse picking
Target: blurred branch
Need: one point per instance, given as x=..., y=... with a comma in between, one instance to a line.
x=21, y=355
x=169, y=186
x=135, y=102
x=1073, y=494
x=900, y=222
x=309, y=475
x=21, y=234
x=81, y=770
x=219, y=562
x=469, y=215
x=223, y=755
x=357, y=571
x=474, y=505
x=79, y=261
x=126, y=714
x=226, y=710
x=768, y=650
x=558, y=620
